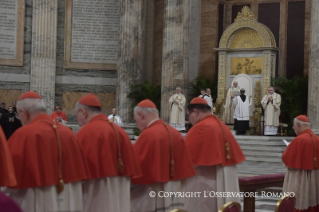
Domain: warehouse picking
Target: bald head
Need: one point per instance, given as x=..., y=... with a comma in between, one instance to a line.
x=235, y=84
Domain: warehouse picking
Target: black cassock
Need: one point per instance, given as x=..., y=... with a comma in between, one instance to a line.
x=12, y=123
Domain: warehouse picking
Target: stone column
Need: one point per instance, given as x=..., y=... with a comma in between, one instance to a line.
x=43, y=51
x=130, y=53
x=175, y=51
x=313, y=77
x=283, y=38
x=194, y=39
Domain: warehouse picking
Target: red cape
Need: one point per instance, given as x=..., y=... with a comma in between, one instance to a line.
x=99, y=144
x=300, y=152
x=153, y=148
x=7, y=176
x=34, y=150
x=206, y=143
x=55, y=115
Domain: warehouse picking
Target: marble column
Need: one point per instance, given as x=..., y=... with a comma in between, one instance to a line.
x=43, y=51
x=194, y=39
x=313, y=77
x=283, y=38
x=175, y=51
x=130, y=53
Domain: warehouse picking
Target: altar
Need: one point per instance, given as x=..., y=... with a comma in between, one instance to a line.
x=246, y=54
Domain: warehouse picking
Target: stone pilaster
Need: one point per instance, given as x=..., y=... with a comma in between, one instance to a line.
x=313, y=87
x=175, y=51
x=130, y=54
x=194, y=39
x=43, y=51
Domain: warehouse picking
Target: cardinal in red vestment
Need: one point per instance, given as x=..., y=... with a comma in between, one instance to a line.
x=48, y=161
x=301, y=158
x=111, y=159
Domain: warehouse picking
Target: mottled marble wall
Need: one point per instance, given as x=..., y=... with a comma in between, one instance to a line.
x=9, y=96
x=208, y=38
x=62, y=90
x=69, y=98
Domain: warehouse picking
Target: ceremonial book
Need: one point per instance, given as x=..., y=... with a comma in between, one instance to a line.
x=236, y=93
x=286, y=142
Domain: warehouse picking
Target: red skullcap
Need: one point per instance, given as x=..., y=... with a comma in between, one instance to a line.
x=303, y=118
x=30, y=94
x=199, y=101
x=90, y=100
x=147, y=103
x=57, y=107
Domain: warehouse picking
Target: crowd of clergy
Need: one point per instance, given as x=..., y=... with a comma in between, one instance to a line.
x=45, y=167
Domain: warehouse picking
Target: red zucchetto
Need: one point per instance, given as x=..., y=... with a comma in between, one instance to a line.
x=303, y=118
x=90, y=100
x=30, y=94
x=198, y=101
x=147, y=103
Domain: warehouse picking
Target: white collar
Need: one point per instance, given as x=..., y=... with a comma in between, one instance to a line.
x=152, y=122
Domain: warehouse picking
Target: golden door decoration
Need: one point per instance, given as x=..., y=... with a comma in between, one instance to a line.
x=246, y=65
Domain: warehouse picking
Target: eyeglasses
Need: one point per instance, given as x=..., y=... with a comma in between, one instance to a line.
x=190, y=113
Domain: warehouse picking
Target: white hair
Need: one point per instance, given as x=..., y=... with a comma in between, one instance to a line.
x=145, y=110
x=301, y=122
x=31, y=105
x=179, y=88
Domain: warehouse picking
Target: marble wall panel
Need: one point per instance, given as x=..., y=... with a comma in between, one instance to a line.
x=26, y=68
x=9, y=95
x=60, y=51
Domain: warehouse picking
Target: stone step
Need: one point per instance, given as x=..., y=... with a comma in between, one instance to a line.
x=263, y=149
x=260, y=154
x=264, y=143
x=263, y=138
x=262, y=159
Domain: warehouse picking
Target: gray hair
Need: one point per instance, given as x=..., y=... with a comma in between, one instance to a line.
x=145, y=110
x=301, y=122
x=179, y=88
x=78, y=105
x=31, y=105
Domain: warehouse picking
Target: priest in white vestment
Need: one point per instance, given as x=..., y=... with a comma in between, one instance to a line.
x=115, y=118
x=241, y=115
x=207, y=97
x=229, y=107
x=209, y=93
x=271, y=104
x=177, y=107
